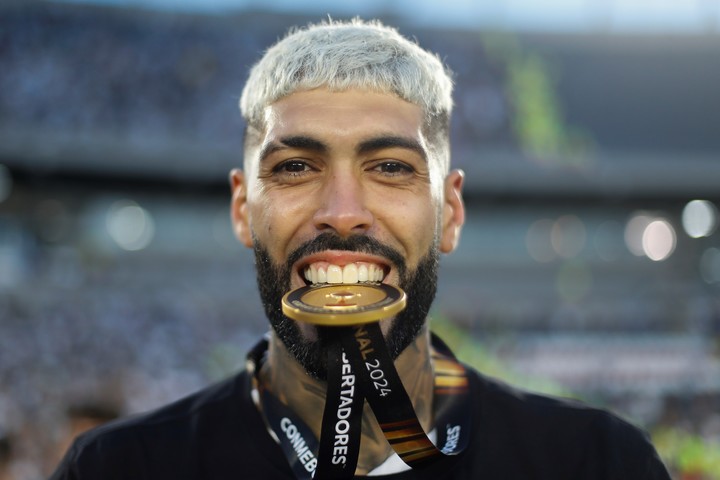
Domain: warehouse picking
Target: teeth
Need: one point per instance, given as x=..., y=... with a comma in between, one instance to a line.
x=350, y=273
x=334, y=274
x=362, y=273
x=375, y=273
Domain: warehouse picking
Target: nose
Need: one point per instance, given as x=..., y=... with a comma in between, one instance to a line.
x=343, y=207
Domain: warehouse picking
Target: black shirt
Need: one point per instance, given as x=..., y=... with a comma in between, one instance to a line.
x=219, y=434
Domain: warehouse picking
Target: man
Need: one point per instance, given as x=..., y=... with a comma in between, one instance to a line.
x=346, y=181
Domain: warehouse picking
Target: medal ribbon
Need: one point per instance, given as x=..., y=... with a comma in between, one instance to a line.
x=342, y=417
x=361, y=368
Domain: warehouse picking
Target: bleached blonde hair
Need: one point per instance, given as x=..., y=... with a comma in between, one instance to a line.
x=354, y=54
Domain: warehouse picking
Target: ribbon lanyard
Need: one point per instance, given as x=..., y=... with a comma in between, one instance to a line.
x=361, y=368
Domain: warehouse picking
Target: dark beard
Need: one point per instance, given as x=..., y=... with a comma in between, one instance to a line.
x=420, y=286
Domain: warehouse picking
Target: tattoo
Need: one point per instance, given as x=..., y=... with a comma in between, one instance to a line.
x=289, y=382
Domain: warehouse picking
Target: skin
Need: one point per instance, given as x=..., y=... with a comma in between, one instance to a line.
x=349, y=162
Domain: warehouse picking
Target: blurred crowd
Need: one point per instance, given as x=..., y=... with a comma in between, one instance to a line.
x=148, y=75
x=125, y=335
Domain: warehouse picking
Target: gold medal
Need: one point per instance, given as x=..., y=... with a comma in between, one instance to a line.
x=342, y=305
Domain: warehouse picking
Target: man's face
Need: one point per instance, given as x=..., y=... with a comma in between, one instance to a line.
x=342, y=187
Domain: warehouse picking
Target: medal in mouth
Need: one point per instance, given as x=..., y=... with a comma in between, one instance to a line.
x=342, y=305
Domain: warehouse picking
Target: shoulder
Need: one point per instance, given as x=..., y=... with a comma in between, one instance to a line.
x=217, y=399
x=546, y=429
x=212, y=416
x=521, y=404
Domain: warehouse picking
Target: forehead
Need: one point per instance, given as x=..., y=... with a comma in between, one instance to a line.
x=343, y=115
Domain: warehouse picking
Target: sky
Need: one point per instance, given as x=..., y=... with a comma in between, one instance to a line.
x=538, y=15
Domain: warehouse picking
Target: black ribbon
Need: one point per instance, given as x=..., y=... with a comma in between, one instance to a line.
x=386, y=395
x=342, y=417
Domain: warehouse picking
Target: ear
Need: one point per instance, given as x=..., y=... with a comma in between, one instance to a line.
x=239, y=208
x=453, y=211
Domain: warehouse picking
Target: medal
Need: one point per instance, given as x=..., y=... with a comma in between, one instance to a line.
x=344, y=305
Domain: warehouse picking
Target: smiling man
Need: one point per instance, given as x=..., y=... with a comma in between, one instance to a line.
x=346, y=181
x=343, y=187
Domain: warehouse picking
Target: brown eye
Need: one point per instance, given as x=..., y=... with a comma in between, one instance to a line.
x=292, y=167
x=393, y=168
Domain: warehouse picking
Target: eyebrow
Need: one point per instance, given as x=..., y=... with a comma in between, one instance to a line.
x=381, y=143
x=305, y=142
x=302, y=142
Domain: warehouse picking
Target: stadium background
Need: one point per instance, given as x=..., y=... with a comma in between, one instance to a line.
x=590, y=264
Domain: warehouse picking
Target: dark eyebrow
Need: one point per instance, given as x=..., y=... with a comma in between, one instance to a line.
x=381, y=143
x=301, y=142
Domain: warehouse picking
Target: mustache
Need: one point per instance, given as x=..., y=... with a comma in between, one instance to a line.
x=353, y=243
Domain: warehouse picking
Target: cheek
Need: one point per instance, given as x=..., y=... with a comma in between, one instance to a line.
x=260, y=222
x=412, y=224
x=423, y=226
x=276, y=222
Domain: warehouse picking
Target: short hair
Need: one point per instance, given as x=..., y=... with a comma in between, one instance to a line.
x=353, y=54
